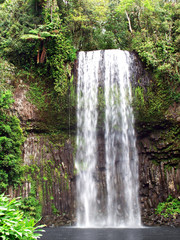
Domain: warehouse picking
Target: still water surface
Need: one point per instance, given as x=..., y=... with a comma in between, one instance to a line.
x=70, y=233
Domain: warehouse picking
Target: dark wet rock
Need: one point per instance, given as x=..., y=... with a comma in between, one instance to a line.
x=55, y=221
x=158, y=220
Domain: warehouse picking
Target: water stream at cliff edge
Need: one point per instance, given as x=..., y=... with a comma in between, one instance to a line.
x=109, y=70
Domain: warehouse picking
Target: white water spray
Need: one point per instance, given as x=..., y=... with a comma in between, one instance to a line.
x=122, y=205
x=86, y=156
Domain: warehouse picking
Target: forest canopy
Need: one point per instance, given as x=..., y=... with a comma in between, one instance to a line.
x=42, y=37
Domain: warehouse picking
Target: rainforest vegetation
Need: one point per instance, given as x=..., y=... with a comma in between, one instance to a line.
x=42, y=38
x=39, y=40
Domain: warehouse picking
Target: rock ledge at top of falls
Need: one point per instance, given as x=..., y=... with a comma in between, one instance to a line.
x=140, y=77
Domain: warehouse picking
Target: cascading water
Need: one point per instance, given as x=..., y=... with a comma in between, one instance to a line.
x=112, y=68
x=121, y=153
x=86, y=156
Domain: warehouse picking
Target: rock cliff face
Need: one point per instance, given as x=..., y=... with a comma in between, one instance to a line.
x=50, y=172
x=50, y=161
x=159, y=167
x=24, y=110
x=51, y=168
x=159, y=170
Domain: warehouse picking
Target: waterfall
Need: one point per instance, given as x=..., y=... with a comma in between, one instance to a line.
x=120, y=142
x=119, y=206
x=86, y=156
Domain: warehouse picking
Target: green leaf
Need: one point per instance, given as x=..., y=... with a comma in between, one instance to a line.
x=31, y=36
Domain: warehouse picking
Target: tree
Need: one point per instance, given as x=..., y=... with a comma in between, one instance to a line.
x=86, y=21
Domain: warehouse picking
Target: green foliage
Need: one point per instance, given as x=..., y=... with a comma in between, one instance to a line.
x=139, y=100
x=86, y=21
x=170, y=207
x=153, y=28
x=17, y=17
x=57, y=110
x=13, y=225
x=150, y=27
x=149, y=105
x=61, y=53
x=155, y=41
x=55, y=211
x=5, y=100
x=30, y=205
x=11, y=138
x=41, y=45
x=31, y=30
x=72, y=92
x=37, y=95
x=117, y=26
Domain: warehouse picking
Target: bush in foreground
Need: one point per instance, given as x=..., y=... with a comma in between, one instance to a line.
x=13, y=226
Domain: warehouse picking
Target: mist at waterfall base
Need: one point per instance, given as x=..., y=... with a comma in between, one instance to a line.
x=108, y=197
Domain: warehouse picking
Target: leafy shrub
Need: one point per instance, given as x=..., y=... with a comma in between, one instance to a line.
x=13, y=225
x=31, y=205
x=11, y=138
x=170, y=207
x=149, y=105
